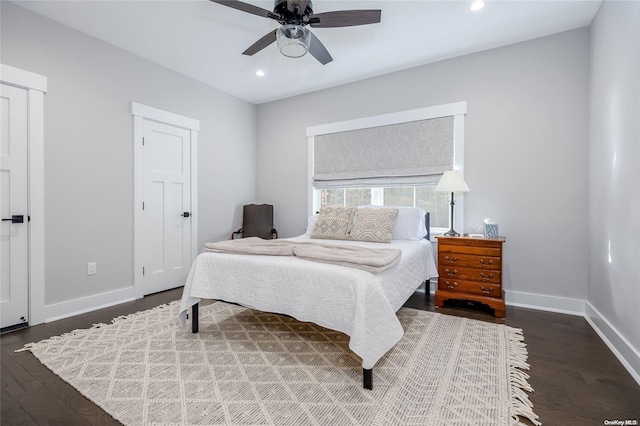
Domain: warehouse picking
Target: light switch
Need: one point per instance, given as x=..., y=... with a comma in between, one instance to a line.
x=91, y=268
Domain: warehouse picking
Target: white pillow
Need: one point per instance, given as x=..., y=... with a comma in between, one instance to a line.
x=311, y=223
x=409, y=225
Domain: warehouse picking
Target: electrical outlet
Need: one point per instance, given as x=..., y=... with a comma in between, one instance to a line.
x=91, y=268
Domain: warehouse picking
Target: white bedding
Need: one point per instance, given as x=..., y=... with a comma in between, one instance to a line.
x=355, y=302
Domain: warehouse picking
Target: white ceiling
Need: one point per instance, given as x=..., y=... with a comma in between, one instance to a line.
x=204, y=40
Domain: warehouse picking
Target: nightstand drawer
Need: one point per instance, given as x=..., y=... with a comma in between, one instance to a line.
x=473, y=242
x=470, y=274
x=472, y=261
x=462, y=286
x=465, y=249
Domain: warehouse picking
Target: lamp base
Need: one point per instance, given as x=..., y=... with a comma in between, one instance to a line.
x=451, y=233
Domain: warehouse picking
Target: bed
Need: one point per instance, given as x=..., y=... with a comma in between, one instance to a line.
x=356, y=302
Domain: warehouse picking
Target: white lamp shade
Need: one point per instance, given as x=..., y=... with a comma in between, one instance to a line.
x=452, y=181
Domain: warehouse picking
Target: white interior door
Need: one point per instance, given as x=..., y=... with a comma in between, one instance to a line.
x=167, y=206
x=14, y=277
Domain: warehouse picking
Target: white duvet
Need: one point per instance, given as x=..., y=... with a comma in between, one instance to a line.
x=355, y=302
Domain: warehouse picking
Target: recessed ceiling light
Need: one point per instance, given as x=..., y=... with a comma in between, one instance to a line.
x=477, y=5
x=260, y=73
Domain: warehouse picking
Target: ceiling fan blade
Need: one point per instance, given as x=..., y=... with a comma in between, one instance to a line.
x=317, y=49
x=246, y=7
x=344, y=18
x=261, y=44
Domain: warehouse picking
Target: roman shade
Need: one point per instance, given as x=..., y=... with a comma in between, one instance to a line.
x=403, y=154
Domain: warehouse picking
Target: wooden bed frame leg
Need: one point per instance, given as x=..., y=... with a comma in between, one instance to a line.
x=194, y=318
x=367, y=378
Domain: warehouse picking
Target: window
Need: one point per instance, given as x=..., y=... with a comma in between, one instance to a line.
x=393, y=160
x=348, y=197
x=437, y=203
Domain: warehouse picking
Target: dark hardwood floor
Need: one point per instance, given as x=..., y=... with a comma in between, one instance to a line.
x=576, y=378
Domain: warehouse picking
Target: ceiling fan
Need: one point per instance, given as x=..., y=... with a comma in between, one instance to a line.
x=293, y=38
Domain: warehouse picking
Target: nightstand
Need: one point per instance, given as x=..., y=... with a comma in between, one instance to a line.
x=470, y=268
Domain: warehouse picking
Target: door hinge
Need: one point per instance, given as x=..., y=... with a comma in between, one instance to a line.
x=143, y=205
x=143, y=141
x=143, y=270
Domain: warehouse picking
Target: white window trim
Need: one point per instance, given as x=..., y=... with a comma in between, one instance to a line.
x=377, y=196
x=455, y=109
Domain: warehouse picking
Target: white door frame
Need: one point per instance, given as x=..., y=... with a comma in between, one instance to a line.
x=140, y=113
x=36, y=87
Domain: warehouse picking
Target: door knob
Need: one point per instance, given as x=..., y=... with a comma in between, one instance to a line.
x=16, y=218
x=186, y=214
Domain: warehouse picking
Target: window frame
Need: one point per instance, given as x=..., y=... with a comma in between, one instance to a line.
x=457, y=109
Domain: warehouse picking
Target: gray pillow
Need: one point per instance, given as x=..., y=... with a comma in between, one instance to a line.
x=334, y=223
x=374, y=225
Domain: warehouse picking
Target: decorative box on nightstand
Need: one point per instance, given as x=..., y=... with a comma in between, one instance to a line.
x=471, y=269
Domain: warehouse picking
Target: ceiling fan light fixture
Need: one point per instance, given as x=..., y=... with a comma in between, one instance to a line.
x=293, y=40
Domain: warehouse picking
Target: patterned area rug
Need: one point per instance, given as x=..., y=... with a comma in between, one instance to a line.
x=250, y=367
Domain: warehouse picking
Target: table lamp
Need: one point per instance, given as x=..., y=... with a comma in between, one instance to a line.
x=452, y=182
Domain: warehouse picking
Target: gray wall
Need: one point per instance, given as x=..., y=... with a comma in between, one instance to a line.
x=614, y=198
x=526, y=147
x=89, y=152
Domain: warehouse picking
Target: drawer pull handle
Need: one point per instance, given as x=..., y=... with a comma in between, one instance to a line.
x=482, y=276
x=455, y=284
x=455, y=271
x=488, y=263
x=450, y=259
x=486, y=291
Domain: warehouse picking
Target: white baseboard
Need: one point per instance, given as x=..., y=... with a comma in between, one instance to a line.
x=543, y=302
x=621, y=348
x=83, y=305
x=540, y=302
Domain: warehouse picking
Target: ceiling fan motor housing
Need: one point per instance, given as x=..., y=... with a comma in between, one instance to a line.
x=281, y=7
